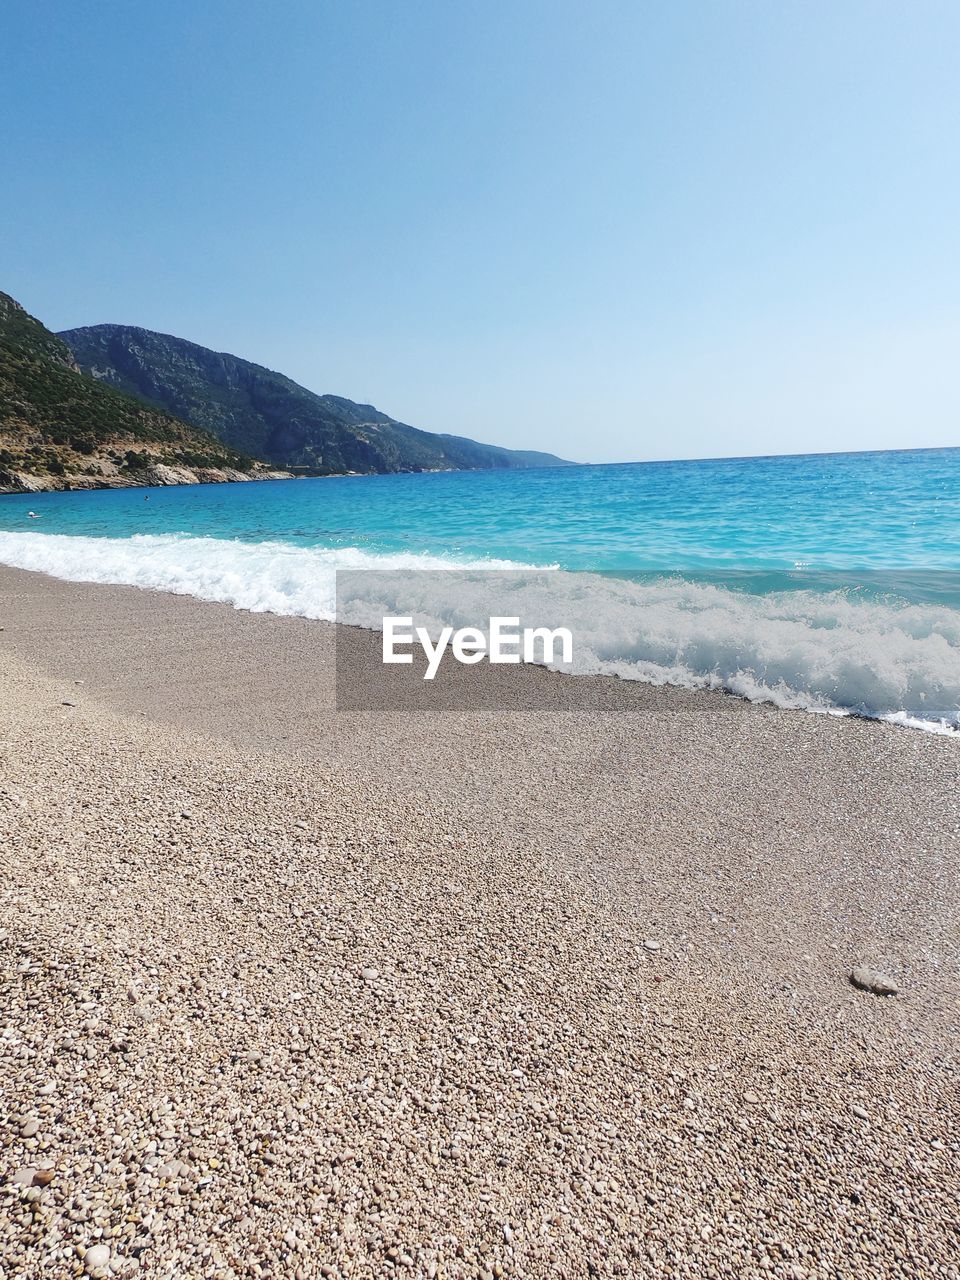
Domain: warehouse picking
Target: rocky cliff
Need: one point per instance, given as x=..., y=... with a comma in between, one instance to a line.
x=268, y=415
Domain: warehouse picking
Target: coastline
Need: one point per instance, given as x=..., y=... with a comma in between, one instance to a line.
x=366, y=988
x=164, y=475
x=160, y=476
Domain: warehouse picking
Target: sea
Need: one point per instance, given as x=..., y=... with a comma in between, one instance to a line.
x=828, y=582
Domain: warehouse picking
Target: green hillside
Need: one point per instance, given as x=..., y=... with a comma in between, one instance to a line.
x=60, y=427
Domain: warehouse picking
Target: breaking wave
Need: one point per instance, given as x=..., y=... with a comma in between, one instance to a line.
x=830, y=651
x=262, y=577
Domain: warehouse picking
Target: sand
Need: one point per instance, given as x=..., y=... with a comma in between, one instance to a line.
x=290, y=993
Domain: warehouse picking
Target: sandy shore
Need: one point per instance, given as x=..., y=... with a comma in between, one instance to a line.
x=293, y=994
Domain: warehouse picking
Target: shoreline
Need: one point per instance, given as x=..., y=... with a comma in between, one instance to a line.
x=240, y=585
x=177, y=475
x=459, y=994
x=174, y=476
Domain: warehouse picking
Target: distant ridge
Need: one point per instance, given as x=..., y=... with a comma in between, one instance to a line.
x=269, y=416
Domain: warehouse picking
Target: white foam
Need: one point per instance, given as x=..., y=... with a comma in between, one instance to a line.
x=825, y=652
x=262, y=577
x=830, y=653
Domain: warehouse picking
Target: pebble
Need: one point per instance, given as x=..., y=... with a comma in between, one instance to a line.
x=867, y=979
x=29, y=1128
x=23, y=1177
x=860, y=1112
x=369, y=974
x=651, y=944
x=96, y=1258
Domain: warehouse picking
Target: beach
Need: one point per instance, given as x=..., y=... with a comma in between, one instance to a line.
x=289, y=992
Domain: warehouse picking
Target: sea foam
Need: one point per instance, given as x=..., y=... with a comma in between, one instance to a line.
x=831, y=652
x=261, y=577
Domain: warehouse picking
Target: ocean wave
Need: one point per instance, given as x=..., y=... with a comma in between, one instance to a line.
x=830, y=652
x=797, y=650
x=261, y=577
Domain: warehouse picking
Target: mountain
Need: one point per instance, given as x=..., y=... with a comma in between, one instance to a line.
x=269, y=416
x=61, y=429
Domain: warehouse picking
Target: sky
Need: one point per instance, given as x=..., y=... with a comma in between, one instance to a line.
x=614, y=231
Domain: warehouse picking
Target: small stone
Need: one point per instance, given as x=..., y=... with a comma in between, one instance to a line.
x=96, y=1258
x=43, y=1177
x=369, y=974
x=651, y=944
x=873, y=980
x=860, y=1113
x=751, y=1098
x=23, y=1177
x=29, y=1128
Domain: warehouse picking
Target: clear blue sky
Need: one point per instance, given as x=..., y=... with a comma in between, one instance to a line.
x=613, y=230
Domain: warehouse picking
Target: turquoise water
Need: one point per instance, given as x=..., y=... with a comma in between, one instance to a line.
x=830, y=582
x=871, y=510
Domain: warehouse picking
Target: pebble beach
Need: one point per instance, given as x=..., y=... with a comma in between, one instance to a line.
x=291, y=993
